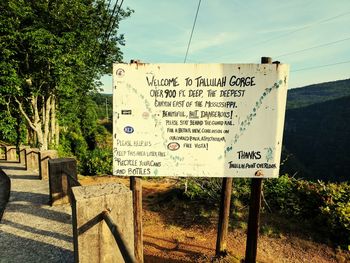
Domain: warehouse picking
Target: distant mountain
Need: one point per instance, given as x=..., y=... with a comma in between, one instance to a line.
x=308, y=95
x=317, y=132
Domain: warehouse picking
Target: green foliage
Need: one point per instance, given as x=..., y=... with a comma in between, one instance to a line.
x=72, y=144
x=325, y=206
x=209, y=189
x=97, y=162
x=104, y=105
x=7, y=127
x=53, y=52
x=83, y=137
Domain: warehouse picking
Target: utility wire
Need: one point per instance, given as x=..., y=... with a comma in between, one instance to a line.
x=310, y=48
x=321, y=66
x=110, y=19
x=100, y=30
x=305, y=27
x=194, y=24
x=290, y=32
x=109, y=4
x=115, y=20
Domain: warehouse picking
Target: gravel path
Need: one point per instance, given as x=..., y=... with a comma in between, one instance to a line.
x=31, y=230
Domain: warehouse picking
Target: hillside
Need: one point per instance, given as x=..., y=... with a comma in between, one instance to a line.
x=318, y=135
x=317, y=128
x=317, y=93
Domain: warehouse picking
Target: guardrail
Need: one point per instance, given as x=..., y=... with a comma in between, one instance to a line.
x=92, y=200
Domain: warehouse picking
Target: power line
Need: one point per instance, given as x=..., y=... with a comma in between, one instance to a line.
x=321, y=66
x=302, y=28
x=318, y=46
x=100, y=30
x=194, y=24
x=110, y=19
x=116, y=18
x=109, y=4
x=291, y=32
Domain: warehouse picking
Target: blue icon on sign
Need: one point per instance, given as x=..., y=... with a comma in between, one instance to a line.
x=128, y=129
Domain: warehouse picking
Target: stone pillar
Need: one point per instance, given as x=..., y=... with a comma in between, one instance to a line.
x=11, y=153
x=32, y=159
x=22, y=155
x=44, y=157
x=58, y=182
x=2, y=152
x=93, y=241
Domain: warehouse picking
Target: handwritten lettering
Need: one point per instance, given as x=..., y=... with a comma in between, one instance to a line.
x=249, y=155
x=153, y=82
x=242, y=81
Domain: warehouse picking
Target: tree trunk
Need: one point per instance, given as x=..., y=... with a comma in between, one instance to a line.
x=53, y=121
x=35, y=122
x=57, y=134
x=47, y=110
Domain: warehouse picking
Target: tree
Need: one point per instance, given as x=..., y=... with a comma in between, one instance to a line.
x=52, y=52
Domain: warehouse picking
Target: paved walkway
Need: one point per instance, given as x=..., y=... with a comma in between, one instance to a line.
x=31, y=230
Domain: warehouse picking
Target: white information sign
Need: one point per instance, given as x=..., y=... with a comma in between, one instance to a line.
x=205, y=120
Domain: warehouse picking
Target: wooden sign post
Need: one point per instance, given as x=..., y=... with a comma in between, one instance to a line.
x=224, y=215
x=136, y=188
x=253, y=221
x=254, y=209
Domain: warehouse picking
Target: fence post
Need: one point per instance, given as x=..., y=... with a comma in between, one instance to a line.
x=10, y=153
x=93, y=240
x=3, y=152
x=32, y=159
x=22, y=155
x=224, y=215
x=44, y=157
x=58, y=181
x=136, y=188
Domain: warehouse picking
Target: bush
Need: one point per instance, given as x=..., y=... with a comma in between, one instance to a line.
x=209, y=189
x=97, y=162
x=325, y=206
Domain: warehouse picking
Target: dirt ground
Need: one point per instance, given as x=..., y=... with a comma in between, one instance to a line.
x=173, y=233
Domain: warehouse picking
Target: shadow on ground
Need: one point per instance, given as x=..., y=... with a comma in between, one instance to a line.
x=15, y=168
x=35, y=198
x=41, y=212
x=31, y=251
x=33, y=230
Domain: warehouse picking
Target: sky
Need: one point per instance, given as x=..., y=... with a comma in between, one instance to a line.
x=312, y=36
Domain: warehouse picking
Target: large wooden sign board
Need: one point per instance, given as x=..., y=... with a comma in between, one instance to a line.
x=205, y=120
